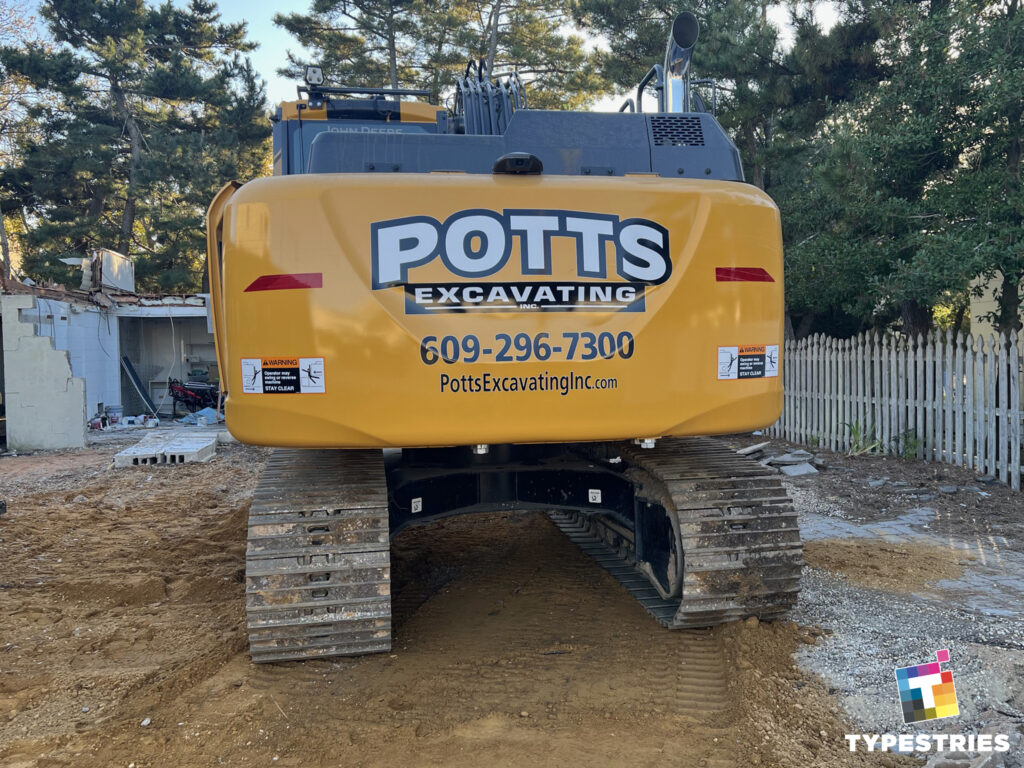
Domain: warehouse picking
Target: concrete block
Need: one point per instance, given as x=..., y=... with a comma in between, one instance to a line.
x=185, y=449
x=144, y=452
x=165, y=449
x=147, y=451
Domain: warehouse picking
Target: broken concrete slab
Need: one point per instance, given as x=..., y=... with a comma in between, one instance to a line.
x=798, y=470
x=795, y=457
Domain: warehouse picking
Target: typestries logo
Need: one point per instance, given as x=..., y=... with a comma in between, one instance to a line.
x=927, y=692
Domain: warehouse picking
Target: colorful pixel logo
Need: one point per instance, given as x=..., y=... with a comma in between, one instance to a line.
x=926, y=692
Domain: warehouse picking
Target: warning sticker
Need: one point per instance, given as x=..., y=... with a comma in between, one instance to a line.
x=751, y=361
x=283, y=375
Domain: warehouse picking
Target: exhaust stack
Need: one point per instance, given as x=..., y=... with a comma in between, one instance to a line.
x=685, y=31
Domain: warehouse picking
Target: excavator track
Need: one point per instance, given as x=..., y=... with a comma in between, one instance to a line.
x=317, y=564
x=741, y=546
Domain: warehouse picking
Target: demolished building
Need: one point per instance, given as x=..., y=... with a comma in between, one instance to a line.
x=73, y=355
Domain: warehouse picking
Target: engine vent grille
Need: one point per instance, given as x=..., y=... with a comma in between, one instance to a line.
x=677, y=132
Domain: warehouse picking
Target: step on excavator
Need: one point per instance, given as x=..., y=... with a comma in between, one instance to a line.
x=432, y=312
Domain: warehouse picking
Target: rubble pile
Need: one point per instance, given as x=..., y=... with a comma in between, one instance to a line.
x=793, y=464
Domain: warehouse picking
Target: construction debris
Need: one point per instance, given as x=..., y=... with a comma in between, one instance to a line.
x=798, y=470
x=203, y=417
x=794, y=464
x=796, y=457
x=156, y=448
x=750, y=450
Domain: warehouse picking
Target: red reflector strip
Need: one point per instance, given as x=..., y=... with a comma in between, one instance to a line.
x=287, y=282
x=742, y=275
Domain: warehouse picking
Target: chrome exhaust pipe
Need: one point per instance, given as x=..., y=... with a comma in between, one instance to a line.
x=685, y=31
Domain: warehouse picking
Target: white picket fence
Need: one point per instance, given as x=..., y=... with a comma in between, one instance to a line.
x=955, y=399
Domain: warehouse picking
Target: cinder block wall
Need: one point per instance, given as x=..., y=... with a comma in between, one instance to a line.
x=45, y=403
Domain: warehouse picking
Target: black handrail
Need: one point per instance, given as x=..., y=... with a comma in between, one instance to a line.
x=659, y=86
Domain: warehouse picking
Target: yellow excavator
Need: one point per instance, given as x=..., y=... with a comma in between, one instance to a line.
x=433, y=312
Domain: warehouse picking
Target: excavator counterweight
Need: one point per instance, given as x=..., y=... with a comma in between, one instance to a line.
x=434, y=313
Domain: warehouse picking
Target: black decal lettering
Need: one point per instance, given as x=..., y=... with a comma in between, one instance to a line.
x=643, y=253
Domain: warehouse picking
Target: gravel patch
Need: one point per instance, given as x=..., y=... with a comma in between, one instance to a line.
x=808, y=497
x=875, y=631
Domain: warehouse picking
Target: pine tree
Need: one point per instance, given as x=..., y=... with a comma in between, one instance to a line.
x=16, y=28
x=913, y=189
x=414, y=43
x=143, y=111
x=366, y=43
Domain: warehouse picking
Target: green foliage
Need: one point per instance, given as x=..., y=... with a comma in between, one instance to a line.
x=862, y=438
x=415, y=43
x=140, y=113
x=952, y=313
x=912, y=189
x=908, y=444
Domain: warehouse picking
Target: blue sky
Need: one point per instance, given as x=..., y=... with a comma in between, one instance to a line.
x=273, y=41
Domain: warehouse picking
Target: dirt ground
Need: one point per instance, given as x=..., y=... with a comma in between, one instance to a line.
x=121, y=603
x=899, y=567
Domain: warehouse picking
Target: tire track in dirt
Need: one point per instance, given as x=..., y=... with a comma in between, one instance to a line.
x=523, y=625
